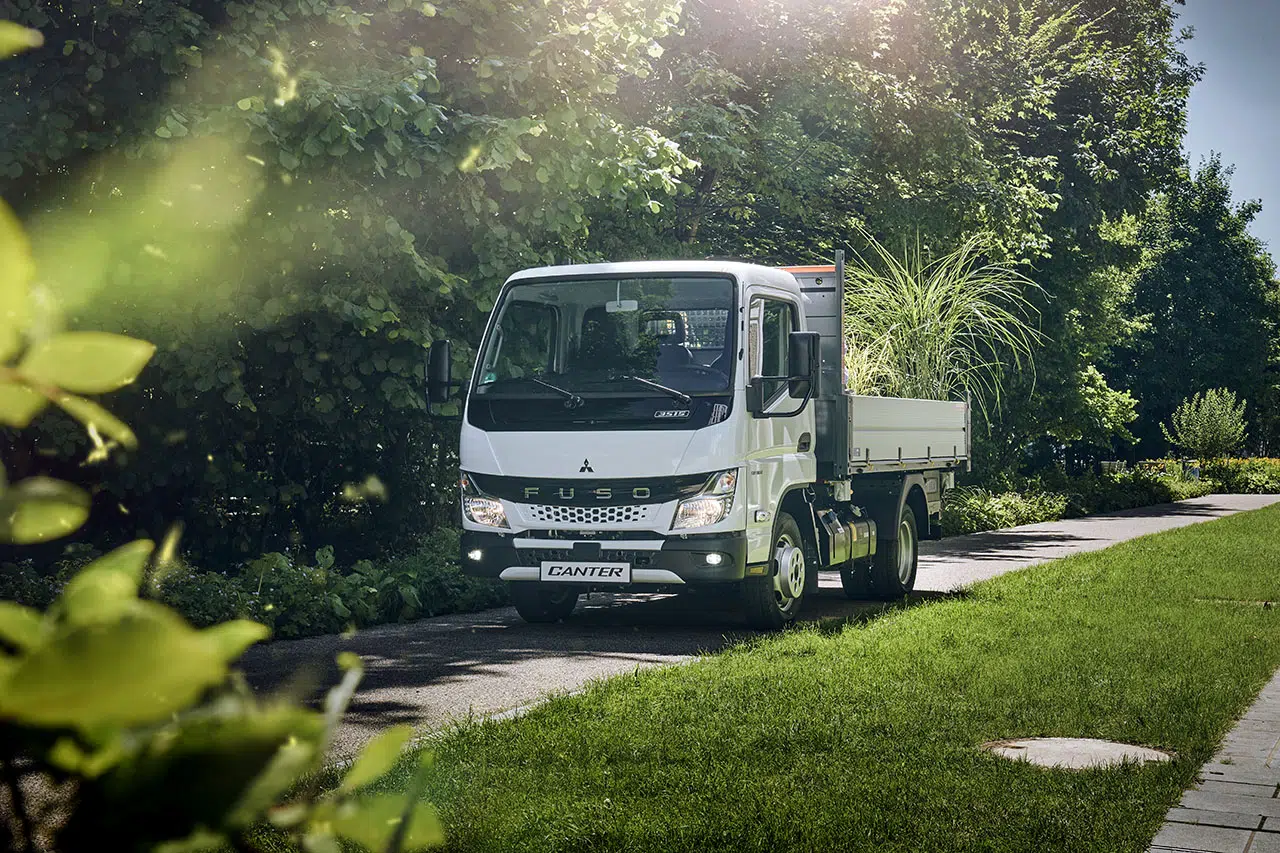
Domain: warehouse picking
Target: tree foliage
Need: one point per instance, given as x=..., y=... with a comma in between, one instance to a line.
x=1208, y=302
x=293, y=197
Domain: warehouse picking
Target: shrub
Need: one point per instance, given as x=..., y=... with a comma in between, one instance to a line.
x=290, y=597
x=204, y=598
x=1209, y=425
x=426, y=582
x=1010, y=503
x=935, y=327
x=300, y=600
x=974, y=509
x=1246, y=476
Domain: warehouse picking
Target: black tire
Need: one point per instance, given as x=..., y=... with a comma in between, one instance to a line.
x=856, y=581
x=773, y=601
x=893, y=569
x=538, y=603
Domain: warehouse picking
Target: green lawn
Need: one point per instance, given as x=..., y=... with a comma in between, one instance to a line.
x=864, y=736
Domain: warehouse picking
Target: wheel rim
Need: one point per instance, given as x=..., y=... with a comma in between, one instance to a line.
x=788, y=580
x=906, y=552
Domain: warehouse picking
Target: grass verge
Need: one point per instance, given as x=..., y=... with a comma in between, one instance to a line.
x=865, y=737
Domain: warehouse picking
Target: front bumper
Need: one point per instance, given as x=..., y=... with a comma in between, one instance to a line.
x=671, y=561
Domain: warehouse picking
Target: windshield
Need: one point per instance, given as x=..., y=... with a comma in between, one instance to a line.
x=597, y=336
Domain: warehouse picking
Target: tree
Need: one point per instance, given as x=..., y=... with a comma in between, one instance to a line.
x=1209, y=303
x=1044, y=123
x=299, y=197
x=1210, y=426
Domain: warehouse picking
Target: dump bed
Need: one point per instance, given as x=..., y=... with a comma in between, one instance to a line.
x=871, y=434
x=889, y=433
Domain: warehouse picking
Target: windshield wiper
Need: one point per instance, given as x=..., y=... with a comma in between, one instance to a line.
x=672, y=392
x=571, y=400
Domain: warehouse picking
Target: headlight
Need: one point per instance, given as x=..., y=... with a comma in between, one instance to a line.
x=711, y=505
x=479, y=508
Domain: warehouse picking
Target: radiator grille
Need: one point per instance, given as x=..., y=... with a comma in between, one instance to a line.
x=589, y=514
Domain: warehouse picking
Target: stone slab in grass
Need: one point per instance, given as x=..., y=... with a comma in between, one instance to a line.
x=1073, y=753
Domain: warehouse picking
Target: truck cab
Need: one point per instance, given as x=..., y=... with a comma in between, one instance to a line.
x=671, y=425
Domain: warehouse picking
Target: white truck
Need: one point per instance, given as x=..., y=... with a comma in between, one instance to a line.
x=671, y=425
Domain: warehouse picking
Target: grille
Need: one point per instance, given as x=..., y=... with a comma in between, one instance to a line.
x=638, y=559
x=589, y=514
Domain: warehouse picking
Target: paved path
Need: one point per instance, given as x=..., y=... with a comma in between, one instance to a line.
x=1234, y=807
x=434, y=670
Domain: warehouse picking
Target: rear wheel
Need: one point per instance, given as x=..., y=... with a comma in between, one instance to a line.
x=537, y=602
x=773, y=601
x=893, y=569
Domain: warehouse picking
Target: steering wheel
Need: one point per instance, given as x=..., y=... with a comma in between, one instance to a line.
x=705, y=370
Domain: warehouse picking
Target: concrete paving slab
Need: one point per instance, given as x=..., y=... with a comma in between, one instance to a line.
x=1073, y=753
x=1244, y=789
x=1264, y=842
x=1209, y=839
x=1209, y=818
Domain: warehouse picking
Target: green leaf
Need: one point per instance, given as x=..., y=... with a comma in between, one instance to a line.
x=20, y=627
x=372, y=821
x=87, y=362
x=288, y=161
x=291, y=760
x=19, y=404
x=105, y=589
x=230, y=639
x=137, y=669
x=15, y=38
x=163, y=132
x=378, y=757
x=91, y=414
x=15, y=277
x=39, y=509
x=245, y=104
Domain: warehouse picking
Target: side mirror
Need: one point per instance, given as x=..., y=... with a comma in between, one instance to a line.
x=439, y=372
x=803, y=363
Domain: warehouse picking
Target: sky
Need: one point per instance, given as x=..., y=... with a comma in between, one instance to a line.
x=1235, y=109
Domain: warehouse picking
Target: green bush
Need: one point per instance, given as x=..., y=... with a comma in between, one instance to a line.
x=290, y=597
x=1246, y=476
x=1010, y=503
x=204, y=598
x=974, y=509
x=1209, y=425
x=300, y=600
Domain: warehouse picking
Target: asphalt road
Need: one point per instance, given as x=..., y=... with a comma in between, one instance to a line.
x=435, y=670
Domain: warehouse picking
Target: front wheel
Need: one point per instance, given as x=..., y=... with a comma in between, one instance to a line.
x=538, y=603
x=773, y=601
x=893, y=569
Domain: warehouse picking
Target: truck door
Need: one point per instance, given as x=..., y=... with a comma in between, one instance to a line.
x=780, y=446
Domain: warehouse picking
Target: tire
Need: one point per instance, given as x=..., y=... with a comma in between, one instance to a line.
x=540, y=603
x=893, y=569
x=774, y=601
x=856, y=581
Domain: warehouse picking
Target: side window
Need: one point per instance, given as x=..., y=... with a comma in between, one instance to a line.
x=772, y=322
x=525, y=344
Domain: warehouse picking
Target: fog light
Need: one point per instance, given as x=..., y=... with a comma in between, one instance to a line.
x=474, y=555
x=714, y=559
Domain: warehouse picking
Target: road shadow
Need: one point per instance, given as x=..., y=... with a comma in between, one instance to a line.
x=1028, y=543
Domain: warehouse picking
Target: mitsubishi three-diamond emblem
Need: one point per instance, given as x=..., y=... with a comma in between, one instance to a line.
x=586, y=467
